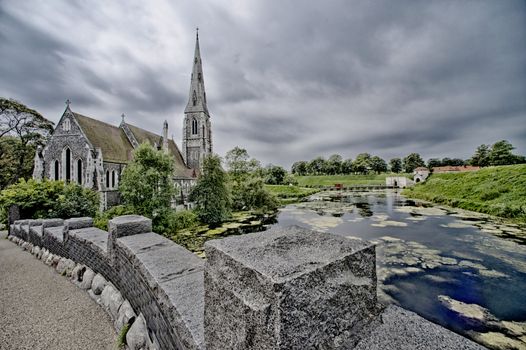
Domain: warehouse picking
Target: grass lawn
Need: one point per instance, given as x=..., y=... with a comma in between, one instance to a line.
x=290, y=194
x=499, y=191
x=346, y=180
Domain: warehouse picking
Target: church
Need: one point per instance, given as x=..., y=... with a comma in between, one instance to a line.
x=94, y=154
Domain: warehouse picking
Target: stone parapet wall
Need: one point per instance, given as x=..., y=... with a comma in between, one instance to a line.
x=280, y=289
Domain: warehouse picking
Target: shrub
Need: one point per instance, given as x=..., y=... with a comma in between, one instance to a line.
x=252, y=195
x=48, y=199
x=169, y=221
x=101, y=220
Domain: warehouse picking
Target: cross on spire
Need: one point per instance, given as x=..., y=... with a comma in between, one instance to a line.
x=68, y=102
x=197, y=32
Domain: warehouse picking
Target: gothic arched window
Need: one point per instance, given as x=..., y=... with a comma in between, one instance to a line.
x=68, y=164
x=107, y=179
x=194, y=127
x=113, y=179
x=56, y=170
x=194, y=98
x=79, y=171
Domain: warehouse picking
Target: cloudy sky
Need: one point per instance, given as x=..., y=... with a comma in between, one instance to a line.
x=287, y=80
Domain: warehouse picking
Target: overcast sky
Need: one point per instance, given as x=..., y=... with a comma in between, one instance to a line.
x=287, y=80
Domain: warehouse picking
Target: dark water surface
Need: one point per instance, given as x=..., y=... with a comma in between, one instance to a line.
x=429, y=256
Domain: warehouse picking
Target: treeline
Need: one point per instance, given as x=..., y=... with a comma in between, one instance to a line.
x=500, y=153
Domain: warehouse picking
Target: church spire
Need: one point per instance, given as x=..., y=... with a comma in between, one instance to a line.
x=197, y=95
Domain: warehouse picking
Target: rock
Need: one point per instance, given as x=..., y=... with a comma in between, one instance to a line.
x=44, y=255
x=77, y=273
x=25, y=245
x=137, y=336
x=87, y=279
x=49, y=259
x=55, y=260
x=70, y=265
x=126, y=315
x=498, y=341
x=36, y=251
x=61, y=266
x=98, y=284
x=112, y=300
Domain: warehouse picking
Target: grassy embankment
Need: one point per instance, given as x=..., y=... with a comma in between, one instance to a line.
x=290, y=194
x=499, y=191
x=346, y=180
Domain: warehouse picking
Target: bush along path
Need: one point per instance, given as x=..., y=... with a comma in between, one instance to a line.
x=132, y=331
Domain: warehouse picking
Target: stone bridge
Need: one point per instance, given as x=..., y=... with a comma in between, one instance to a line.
x=280, y=289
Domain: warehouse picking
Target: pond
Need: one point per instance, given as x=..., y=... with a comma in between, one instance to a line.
x=463, y=270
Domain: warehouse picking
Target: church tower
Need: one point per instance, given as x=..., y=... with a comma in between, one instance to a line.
x=197, y=133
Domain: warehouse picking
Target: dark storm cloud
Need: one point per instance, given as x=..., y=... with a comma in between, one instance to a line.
x=287, y=80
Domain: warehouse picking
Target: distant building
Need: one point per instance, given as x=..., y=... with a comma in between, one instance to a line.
x=398, y=181
x=93, y=153
x=454, y=169
x=420, y=174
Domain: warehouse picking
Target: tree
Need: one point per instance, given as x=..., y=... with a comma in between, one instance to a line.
x=252, y=195
x=413, y=161
x=316, y=166
x=378, y=165
x=211, y=195
x=362, y=163
x=347, y=166
x=22, y=129
x=500, y=153
x=481, y=156
x=433, y=163
x=146, y=182
x=299, y=168
x=333, y=165
x=396, y=165
x=239, y=164
x=275, y=175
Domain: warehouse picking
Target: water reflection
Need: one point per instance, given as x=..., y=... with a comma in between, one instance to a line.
x=442, y=263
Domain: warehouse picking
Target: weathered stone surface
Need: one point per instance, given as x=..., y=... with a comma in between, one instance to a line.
x=49, y=259
x=70, y=265
x=128, y=225
x=98, y=284
x=52, y=223
x=400, y=329
x=137, y=336
x=126, y=315
x=87, y=279
x=36, y=251
x=91, y=235
x=288, y=288
x=77, y=223
x=44, y=255
x=61, y=266
x=112, y=300
x=78, y=273
x=55, y=260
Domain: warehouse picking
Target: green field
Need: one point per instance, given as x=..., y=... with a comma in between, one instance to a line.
x=290, y=194
x=499, y=191
x=346, y=180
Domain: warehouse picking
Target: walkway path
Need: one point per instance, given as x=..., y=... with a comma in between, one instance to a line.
x=39, y=309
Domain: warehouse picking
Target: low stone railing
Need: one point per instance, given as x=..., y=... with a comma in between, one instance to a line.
x=280, y=289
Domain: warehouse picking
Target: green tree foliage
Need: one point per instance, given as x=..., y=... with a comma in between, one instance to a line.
x=275, y=175
x=500, y=153
x=481, y=156
x=146, y=183
x=22, y=129
x=48, y=199
x=316, y=166
x=211, y=195
x=362, y=163
x=413, y=161
x=378, y=165
x=252, y=195
x=300, y=168
x=347, y=166
x=333, y=165
x=395, y=165
x=434, y=162
x=239, y=164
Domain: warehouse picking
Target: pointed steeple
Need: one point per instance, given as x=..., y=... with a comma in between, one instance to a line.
x=197, y=95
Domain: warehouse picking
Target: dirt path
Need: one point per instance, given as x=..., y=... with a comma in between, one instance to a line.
x=39, y=309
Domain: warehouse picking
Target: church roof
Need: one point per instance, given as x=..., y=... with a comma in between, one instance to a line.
x=110, y=139
x=116, y=147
